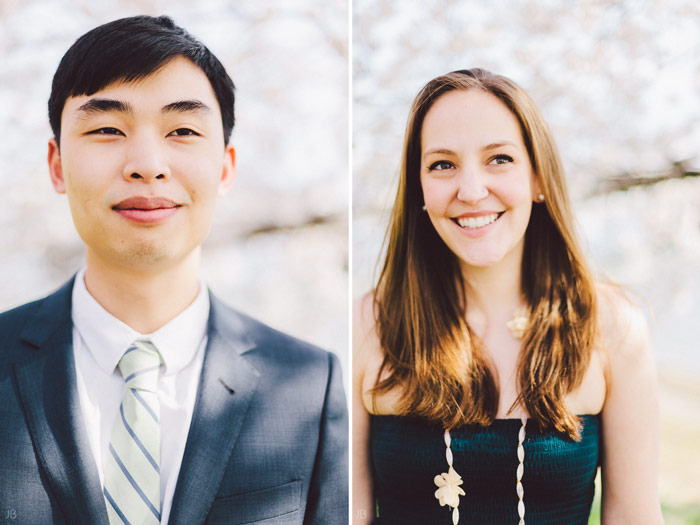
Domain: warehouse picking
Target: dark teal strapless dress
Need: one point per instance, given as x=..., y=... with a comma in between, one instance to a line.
x=408, y=453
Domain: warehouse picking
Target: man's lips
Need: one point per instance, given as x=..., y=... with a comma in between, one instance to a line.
x=145, y=203
x=145, y=210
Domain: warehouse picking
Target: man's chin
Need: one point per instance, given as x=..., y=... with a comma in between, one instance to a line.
x=142, y=256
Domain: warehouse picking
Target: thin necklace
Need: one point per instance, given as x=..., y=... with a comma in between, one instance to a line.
x=449, y=482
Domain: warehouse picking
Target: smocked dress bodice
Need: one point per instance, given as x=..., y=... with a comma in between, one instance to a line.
x=407, y=454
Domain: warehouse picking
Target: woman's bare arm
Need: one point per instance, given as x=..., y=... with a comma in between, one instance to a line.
x=630, y=416
x=365, y=344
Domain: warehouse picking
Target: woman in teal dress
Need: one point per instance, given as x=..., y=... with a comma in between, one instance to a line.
x=492, y=375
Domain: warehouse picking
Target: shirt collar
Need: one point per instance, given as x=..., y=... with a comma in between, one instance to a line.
x=107, y=338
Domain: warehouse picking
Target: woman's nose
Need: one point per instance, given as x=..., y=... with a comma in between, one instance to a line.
x=472, y=186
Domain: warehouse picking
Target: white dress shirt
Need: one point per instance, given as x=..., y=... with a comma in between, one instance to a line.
x=100, y=340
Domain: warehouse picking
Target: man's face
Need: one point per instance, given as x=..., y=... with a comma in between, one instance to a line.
x=142, y=164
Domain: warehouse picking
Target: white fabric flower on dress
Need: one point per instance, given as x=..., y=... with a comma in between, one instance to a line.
x=449, y=489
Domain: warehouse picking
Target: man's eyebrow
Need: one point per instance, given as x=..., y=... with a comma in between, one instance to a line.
x=102, y=105
x=182, y=106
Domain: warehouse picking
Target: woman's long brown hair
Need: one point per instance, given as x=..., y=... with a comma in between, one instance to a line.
x=431, y=355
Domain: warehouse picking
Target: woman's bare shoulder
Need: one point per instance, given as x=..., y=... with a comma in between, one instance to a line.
x=368, y=358
x=364, y=314
x=365, y=337
x=623, y=329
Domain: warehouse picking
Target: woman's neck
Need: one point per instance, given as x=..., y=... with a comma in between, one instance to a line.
x=493, y=293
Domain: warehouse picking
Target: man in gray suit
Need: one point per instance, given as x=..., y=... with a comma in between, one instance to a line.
x=132, y=395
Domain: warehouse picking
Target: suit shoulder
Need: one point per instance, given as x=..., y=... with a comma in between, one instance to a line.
x=34, y=322
x=12, y=326
x=267, y=340
x=12, y=321
x=284, y=341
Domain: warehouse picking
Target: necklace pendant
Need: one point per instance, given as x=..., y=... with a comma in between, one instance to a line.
x=449, y=482
x=518, y=324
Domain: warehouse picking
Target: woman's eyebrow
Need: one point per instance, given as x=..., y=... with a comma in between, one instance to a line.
x=488, y=147
x=500, y=144
x=441, y=151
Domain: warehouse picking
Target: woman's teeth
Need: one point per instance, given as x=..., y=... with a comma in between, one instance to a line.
x=471, y=223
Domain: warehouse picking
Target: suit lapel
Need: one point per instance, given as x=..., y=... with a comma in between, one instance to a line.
x=226, y=388
x=49, y=398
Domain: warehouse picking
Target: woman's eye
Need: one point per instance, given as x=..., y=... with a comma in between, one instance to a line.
x=184, y=132
x=501, y=159
x=440, y=165
x=105, y=131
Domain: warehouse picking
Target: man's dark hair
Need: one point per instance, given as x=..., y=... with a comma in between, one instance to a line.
x=131, y=49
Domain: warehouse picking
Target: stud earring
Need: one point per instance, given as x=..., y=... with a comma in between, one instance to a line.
x=540, y=197
x=424, y=208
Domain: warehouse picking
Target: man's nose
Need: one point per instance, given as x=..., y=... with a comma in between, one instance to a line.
x=146, y=159
x=472, y=186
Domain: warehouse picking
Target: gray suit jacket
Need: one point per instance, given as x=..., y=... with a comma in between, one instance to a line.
x=267, y=443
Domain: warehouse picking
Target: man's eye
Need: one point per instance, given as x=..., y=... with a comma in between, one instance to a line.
x=440, y=165
x=184, y=132
x=105, y=131
x=501, y=159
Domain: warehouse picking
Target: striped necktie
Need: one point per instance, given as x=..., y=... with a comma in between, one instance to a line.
x=132, y=465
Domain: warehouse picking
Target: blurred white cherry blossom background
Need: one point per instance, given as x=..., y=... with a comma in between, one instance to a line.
x=279, y=245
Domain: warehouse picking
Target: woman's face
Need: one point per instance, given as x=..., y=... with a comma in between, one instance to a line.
x=477, y=180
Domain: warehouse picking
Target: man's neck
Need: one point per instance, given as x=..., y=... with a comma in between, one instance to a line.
x=143, y=298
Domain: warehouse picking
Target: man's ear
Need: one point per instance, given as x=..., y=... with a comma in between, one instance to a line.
x=55, y=167
x=228, y=171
